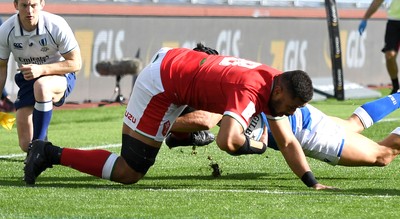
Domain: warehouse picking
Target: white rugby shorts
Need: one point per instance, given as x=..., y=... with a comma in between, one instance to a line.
x=323, y=139
x=150, y=112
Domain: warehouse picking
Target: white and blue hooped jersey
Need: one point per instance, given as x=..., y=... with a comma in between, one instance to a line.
x=320, y=137
x=46, y=44
x=300, y=120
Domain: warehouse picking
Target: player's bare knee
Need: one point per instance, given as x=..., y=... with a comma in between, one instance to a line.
x=391, y=56
x=356, y=124
x=39, y=86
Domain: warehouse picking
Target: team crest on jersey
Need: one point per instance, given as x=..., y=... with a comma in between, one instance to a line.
x=44, y=49
x=43, y=43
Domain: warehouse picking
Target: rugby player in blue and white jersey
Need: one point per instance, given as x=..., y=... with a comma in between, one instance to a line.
x=48, y=55
x=338, y=142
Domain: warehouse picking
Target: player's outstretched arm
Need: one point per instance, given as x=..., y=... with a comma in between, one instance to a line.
x=293, y=153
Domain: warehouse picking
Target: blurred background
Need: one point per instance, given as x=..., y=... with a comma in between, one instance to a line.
x=285, y=34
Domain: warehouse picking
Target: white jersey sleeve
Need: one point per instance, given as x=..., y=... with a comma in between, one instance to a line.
x=5, y=30
x=62, y=32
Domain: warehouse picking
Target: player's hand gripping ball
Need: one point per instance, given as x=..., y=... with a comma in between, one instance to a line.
x=256, y=127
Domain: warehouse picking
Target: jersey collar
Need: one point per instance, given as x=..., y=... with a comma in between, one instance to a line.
x=40, y=29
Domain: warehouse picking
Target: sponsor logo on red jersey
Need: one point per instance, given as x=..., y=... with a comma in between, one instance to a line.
x=130, y=117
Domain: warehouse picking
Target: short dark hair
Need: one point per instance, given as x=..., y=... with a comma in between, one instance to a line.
x=16, y=1
x=201, y=48
x=298, y=83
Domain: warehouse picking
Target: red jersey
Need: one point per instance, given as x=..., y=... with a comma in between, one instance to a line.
x=219, y=84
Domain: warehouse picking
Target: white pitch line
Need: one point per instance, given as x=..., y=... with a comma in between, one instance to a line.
x=270, y=192
x=390, y=120
x=8, y=156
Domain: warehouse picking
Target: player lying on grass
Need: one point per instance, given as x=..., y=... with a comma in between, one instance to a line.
x=176, y=78
x=337, y=141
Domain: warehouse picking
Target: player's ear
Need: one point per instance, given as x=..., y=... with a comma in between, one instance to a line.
x=278, y=85
x=278, y=90
x=42, y=3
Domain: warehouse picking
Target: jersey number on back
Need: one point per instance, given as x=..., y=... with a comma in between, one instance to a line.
x=227, y=61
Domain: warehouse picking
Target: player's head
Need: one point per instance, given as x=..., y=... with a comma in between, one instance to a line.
x=28, y=11
x=16, y=1
x=292, y=89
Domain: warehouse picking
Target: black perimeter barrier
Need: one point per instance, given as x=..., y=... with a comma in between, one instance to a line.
x=336, y=51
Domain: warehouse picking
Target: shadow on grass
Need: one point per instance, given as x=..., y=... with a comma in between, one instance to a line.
x=148, y=182
x=200, y=183
x=12, y=160
x=371, y=192
x=236, y=181
x=236, y=176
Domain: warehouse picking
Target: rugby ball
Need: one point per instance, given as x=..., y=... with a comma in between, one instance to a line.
x=256, y=126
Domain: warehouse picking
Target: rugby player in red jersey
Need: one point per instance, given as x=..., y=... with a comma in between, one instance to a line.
x=177, y=78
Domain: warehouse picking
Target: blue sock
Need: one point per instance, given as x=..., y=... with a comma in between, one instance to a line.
x=42, y=113
x=371, y=112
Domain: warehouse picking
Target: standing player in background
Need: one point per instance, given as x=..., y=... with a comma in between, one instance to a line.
x=392, y=37
x=48, y=56
x=175, y=79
